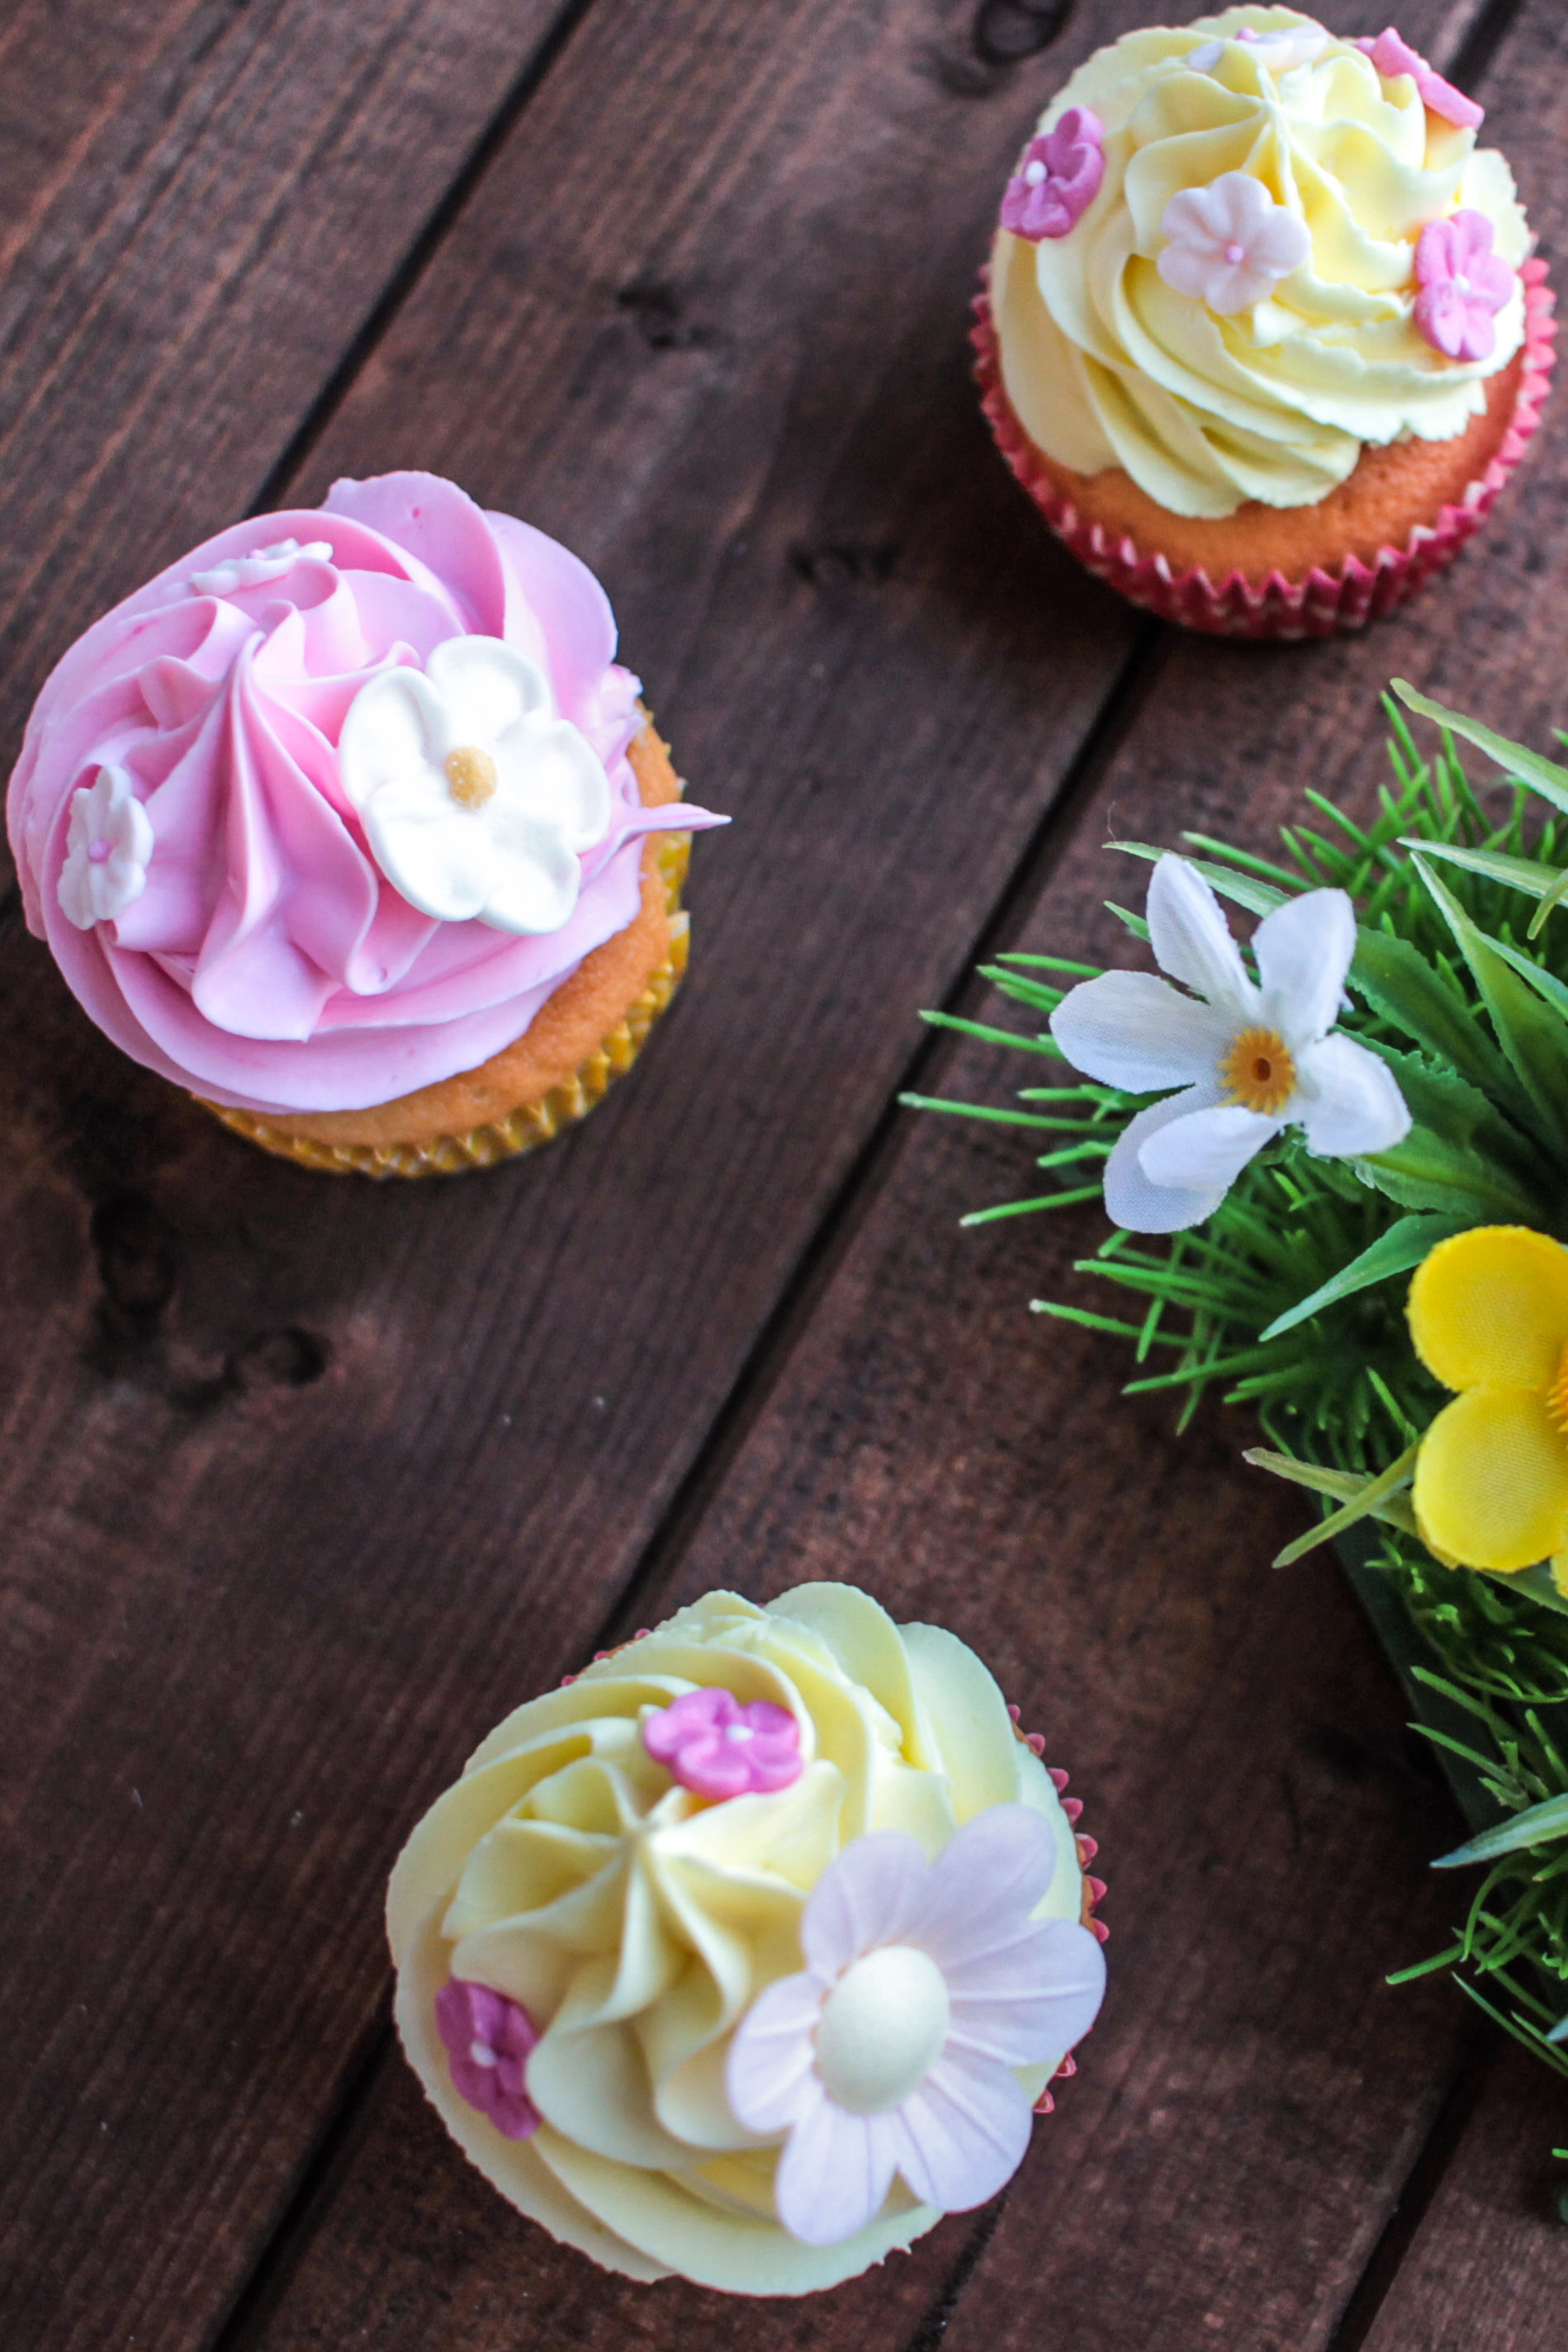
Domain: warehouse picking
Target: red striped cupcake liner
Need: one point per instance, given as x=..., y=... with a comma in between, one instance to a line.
x=1325, y=602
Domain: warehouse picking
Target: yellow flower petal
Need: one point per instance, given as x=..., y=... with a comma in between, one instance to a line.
x=1491, y=1480
x=1559, y=1572
x=1490, y=1308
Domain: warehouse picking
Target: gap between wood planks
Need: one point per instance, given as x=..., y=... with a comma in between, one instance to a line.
x=823, y=1250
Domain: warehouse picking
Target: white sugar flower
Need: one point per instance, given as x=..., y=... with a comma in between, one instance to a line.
x=1250, y=1058
x=250, y=571
x=108, y=846
x=926, y=1986
x=1229, y=243
x=1286, y=45
x=475, y=797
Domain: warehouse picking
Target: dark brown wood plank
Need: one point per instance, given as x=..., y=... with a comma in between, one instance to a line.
x=1489, y=2261
x=201, y=203
x=296, y=1472
x=1255, y=2099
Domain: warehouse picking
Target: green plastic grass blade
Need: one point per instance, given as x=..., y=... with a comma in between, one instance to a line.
x=1542, y=775
x=1397, y=1251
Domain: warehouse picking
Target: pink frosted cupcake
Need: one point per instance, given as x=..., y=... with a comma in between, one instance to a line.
x=350, y=823
x=1261, y=335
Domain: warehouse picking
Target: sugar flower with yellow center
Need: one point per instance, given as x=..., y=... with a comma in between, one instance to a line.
x=1488, y=1316
x=478, y=800
x=1250, y=1057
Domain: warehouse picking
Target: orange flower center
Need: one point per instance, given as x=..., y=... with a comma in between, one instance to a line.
x=1557, y=1394
x=470, y=776
x=1258, y=1071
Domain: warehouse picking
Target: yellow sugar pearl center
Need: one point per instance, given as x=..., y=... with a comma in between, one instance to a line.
x=470, y=776
x=1557, y=1394
x=1258, y=1071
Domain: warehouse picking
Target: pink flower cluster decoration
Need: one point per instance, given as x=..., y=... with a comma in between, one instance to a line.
x=1464, y=284
x=1392, y=57
x=715, y=1748
x=927, y=1986
x=1059, y=178
x=1229, y=243
x=488, y=2039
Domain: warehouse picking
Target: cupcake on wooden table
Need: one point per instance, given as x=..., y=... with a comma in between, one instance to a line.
x=752, y=1949
x=350, y=823
x=1263, y=336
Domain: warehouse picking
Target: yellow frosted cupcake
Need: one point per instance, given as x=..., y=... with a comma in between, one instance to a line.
x=1263, y=336
x=752, y=1949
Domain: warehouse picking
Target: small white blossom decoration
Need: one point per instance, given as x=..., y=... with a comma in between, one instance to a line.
x=1250, y=1058
x=108, y=847
x=476, y=798
x=1229, y=243
x=251, y=571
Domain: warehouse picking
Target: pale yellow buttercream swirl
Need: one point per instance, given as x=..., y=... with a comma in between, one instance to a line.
x=1105, y=364
x=635, y=1923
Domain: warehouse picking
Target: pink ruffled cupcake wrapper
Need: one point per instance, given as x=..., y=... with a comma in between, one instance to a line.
x=1094, y=1888
x=1324, y=602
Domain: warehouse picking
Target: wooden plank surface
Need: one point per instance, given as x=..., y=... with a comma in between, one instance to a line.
x=1282, y=1862
x=304, y=1483
x=296, y=1469
x=201, y=205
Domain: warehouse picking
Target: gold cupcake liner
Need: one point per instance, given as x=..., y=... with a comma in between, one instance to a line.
x=535, y=1123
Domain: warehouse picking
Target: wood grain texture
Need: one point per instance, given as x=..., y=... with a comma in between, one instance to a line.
x=1489, y=2261
x=303, y=1481
x=1250, y=2107
x=296, y=1472
x=210, y=200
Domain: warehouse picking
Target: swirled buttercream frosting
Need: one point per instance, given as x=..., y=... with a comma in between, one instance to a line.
x=746, y=1953
x=1245, y=300
x=328, y=810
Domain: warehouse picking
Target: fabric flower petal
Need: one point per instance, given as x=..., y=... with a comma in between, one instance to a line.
x=1133, y=1030
x=1303, y=951
x=1191, y=939
x=871, y=1901
x=964, y=2133
x=1142, y=1206
x=1348, y=1103
x=1492, y=1479
x=1490, y=1308
x=1206, y=1148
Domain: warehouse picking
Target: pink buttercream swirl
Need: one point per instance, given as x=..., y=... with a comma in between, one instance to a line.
x=268, y=963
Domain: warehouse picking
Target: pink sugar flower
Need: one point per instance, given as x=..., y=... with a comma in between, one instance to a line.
x=1464, y=284
x=1229, y=243
x=1392, y=57
x=716, y=1747
x=488, y=2039
x=927, y=1986
x=1059, y=178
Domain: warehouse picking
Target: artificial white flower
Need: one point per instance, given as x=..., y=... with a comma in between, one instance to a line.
x=1229, y=243
x=1286, y=45
x=926, y=1985
x=250, y=571
x=1250, y=1058
x=109, y=846
x=475, y=797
